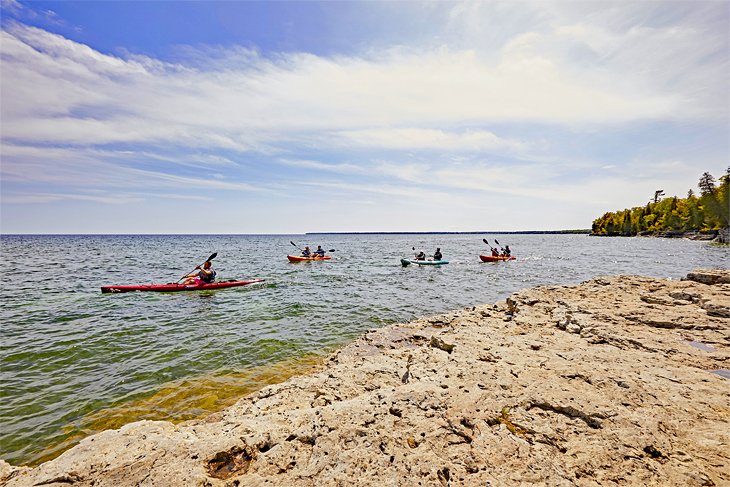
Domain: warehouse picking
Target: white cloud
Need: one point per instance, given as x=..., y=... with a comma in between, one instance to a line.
x=321, y=166
x=37, y=198
x=427, y=139
x=59, y=91
x=502, y=102
x=79, y=168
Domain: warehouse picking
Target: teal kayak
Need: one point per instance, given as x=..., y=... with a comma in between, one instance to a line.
x=406, y=262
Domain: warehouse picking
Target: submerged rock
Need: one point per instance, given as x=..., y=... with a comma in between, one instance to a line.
x=595, y=384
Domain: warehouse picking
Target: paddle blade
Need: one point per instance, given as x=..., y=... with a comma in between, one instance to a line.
x=212, y=256
x=331, y=250
x=293, y=243
x=486, y=241
x=496, y=241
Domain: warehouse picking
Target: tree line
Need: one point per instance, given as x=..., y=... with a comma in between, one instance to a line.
x=707, y=212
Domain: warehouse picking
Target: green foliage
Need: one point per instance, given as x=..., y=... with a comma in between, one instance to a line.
x=710, y=211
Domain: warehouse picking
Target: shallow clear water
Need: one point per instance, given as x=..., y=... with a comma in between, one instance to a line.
x=71, y=358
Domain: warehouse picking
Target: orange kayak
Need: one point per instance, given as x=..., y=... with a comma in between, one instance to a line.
x=299, y=258
x=491, y=258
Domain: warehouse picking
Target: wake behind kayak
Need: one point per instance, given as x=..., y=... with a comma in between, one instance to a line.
x=172, y=287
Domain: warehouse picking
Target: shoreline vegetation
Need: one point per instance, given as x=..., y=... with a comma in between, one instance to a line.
x=703, y=217
x=617, y=380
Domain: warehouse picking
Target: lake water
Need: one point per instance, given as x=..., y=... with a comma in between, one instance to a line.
x=74, y=361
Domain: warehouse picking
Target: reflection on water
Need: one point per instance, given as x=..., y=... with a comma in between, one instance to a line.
x=73, y=360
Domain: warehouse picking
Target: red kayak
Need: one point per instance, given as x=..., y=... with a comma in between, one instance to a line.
x=491, y=258
x=299, y=258
x=172, y=287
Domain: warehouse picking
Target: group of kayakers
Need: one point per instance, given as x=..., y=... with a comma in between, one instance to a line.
x=436, y=255
x=204, y=273
x=506, y=252
x=317, y=253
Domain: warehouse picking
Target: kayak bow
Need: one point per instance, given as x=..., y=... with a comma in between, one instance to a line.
x=169, y=288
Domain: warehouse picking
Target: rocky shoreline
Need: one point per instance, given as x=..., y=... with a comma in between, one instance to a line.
x=620, y=380
x=721, y=236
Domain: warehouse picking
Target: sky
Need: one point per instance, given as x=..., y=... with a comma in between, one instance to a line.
x=292, y=117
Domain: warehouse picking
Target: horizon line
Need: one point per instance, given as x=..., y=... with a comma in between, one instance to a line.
x=503, y=232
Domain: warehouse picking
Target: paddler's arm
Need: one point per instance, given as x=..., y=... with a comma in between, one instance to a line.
x=195, y=272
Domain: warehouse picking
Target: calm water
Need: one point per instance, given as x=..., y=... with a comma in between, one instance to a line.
x=74, y=361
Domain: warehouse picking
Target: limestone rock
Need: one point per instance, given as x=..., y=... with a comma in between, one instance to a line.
x=572, y=328
x=710, y=276
x=717, y=309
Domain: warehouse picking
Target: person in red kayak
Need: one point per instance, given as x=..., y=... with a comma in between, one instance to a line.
x=319, y=252
x=201, y=275
x=306, y=252
x=495, y=252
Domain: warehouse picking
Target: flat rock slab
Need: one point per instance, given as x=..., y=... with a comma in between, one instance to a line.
x=611, y=382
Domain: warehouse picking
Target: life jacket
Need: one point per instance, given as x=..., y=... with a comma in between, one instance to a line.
x=207, y=278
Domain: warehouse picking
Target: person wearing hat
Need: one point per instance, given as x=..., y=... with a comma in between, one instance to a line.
x=437, y=255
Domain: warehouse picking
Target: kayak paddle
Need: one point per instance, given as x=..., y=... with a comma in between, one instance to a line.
x=212, y=256
x=297, y=246
x=487, y=242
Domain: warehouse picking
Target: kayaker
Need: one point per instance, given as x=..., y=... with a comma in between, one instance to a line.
x=306, y=252
x=201, y=275
x=437, y=255
x=495, y=253
x=507, y=251
x=319, y=252
x=420, y=256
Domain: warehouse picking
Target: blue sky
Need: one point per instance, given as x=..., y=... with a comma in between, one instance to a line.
x=289, y=117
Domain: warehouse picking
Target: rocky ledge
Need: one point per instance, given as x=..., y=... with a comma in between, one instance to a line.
x=617, y=381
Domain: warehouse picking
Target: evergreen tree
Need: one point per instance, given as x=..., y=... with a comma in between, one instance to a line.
x=709, y=211
x=706, y=184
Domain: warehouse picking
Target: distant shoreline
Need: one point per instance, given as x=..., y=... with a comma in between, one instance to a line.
x=520, y=232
